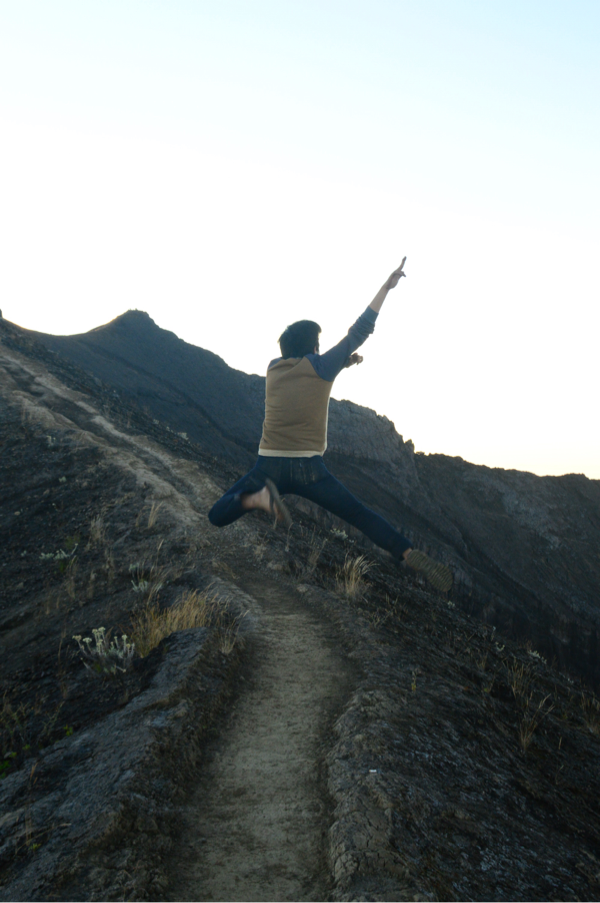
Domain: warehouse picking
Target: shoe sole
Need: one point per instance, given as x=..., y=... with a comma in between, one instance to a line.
x=437, y=574
x=278, y=506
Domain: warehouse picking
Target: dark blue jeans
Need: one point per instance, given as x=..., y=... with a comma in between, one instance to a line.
x=309, y=478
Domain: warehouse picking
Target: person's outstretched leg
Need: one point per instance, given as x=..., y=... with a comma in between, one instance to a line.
x=332, y=495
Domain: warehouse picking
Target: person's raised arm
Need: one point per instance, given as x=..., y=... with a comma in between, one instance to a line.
x=342, y=355
x=391, y=282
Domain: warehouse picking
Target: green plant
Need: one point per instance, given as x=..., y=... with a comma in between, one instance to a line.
x=13, y=725
x=147, y=582
x=25, y=726
x=71, y=542
x=61, y=555
x=6, y=763
x=105, y=658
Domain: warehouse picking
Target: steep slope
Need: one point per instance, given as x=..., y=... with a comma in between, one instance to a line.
x=522, y=546
x=192, y=390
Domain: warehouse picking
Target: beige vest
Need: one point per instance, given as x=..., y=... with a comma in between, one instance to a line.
x=296, y=407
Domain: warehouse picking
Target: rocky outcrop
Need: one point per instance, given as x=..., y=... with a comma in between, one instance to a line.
x=537, y=539
x=523, y=548
x=98, y=783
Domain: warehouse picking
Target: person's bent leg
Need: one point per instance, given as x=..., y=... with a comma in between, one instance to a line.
x=255, y=491
x=268, y=500
x=233, y=505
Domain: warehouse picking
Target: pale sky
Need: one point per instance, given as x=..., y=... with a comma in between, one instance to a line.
x=235, y=165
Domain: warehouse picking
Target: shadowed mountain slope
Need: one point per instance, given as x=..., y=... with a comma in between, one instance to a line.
x=524, y=548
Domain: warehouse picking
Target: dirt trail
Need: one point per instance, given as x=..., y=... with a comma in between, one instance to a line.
x=256, y=826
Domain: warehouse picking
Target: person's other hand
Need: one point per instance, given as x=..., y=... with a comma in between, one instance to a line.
x=354, y=359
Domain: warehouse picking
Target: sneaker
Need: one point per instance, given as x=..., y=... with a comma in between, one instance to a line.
x=438, y=574
x=278, y=506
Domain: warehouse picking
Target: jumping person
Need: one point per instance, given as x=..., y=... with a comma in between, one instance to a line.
x=294, y=438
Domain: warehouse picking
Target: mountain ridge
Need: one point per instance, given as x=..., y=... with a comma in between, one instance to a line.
x=521, y=545
x=439, y=759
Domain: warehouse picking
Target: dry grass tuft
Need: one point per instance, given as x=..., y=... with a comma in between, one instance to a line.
x=316, y=544
x=590, y=707
x=97, y=529
x=69, y=579
x=531, y=720
x=153, y=515
x=194, y=609
x=519, y=678
x=349, y=580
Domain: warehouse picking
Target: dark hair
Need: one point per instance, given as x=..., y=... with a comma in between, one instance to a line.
x=299, y=339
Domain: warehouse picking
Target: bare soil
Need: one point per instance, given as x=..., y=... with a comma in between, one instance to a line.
x=256, y=825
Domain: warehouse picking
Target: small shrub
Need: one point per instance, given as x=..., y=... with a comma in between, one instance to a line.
x=105, y=658
x=147, y=582
x=61, y=556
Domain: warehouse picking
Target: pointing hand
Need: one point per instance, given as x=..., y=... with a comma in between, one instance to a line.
x=396, y=276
